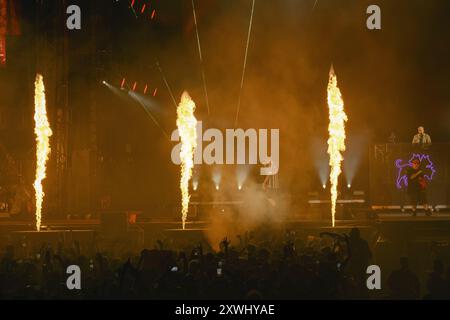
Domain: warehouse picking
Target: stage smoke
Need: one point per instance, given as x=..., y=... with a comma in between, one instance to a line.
x=217, y=177
x=319, y=154
x=242, y=173
x=353, y=153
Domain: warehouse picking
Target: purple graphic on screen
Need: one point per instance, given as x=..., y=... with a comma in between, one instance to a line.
x=402, y=179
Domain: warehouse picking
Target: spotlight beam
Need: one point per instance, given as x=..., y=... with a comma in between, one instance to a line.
x=121, y=93
x=135, y=98
x=245, y=64
x=200, y=56
x=167, y=84
x=151, y=116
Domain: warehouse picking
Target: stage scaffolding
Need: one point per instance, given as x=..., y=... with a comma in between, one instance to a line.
x=72, y=62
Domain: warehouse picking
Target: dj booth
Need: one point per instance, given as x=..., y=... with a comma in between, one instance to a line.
x=388, y=163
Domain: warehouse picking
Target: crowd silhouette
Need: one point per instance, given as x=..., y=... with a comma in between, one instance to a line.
x=331, y=266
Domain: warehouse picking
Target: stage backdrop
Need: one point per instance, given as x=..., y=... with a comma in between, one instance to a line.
x=387, y=180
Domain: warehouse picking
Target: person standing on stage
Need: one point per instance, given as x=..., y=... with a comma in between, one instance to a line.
x=417, y=185
x=421, y=138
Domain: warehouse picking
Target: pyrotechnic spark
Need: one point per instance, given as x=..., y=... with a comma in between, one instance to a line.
x=336, y=140
x=43, y=132
x=245, y=63
x=200, y=55
x=186, y=124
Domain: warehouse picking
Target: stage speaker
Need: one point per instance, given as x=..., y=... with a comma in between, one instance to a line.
x=114, y=223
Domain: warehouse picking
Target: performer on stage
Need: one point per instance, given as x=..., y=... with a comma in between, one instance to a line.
x=417, y=185
x=421, y=138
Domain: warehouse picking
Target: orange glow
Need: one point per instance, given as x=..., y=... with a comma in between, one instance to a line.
x=336, y=140
x=186, y=124
x=153, y=14
x=43, y=132
x=155, y=91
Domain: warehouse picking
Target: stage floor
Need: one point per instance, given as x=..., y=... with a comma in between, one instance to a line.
x=11, y=225
x=421, y=216
x=400, y=228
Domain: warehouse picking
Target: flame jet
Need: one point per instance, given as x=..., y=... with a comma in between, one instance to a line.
x=336, y=140
x=43, y=132
x=186, y=123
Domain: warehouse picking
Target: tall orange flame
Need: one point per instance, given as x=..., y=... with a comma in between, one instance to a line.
x=186, y=123
x=43, y=132
x=336, y=140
